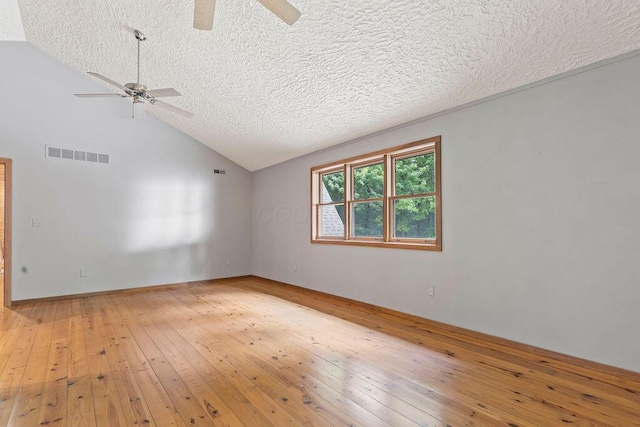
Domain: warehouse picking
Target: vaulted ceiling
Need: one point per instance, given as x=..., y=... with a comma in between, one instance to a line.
x=263, y=92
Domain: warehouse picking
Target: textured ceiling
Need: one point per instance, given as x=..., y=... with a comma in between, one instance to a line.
x=263, y=92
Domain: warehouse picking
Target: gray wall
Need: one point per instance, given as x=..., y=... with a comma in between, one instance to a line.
x=156, y=214
x=541, y=202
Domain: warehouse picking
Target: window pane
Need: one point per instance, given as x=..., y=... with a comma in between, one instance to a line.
x=415, y=218
x=332, y=187
x=368, y=182
x=331, y=220
x=367, y=219
x=415, y=175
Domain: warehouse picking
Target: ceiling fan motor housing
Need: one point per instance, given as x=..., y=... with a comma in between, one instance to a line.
x=136, y=89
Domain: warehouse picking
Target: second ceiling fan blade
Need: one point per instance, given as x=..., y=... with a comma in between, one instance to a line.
x=203, y=14
x=282, y=9
x=99, y=95
x=108, y=80
x=159, y=93
x=170, y=108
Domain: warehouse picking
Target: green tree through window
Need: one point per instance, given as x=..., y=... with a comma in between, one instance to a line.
x=414, y=217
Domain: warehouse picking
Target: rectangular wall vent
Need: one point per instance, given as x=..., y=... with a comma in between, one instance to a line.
x=53, y=152
x=67, y=154
x=79, y=155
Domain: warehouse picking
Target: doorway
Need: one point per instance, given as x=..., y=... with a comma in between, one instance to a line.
x=5, y=232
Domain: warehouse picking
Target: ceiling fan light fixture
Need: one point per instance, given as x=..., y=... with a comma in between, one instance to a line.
x=139, y=110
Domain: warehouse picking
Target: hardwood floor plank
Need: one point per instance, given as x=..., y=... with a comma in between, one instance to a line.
x=129, y=393
x=80, y=402
x=53, y=403
x=29, y=393
x=13, y=360
x=107, y=404
x=16, y=324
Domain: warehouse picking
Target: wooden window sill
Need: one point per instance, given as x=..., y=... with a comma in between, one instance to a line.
x=378, y=244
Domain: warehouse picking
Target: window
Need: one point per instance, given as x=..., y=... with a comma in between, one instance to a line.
x=390, y=198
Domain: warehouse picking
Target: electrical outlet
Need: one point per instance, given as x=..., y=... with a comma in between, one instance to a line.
x=83, y=273
x=295, y=268
x=36, y=222
x=432, y=291
x=228, y=262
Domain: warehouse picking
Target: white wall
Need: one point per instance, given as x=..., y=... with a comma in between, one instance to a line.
x=156, y=214
x=541, y=217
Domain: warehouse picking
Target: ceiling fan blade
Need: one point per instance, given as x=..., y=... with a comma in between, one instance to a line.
x=170, y=108
x=108, y=80
x=159, y=93
x=282, y=9
x=98, y=95
x=203, y=14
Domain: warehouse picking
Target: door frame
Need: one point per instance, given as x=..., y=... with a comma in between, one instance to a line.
x=7, y=230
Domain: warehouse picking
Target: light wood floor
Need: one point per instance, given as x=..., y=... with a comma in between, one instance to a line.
x=255, y=353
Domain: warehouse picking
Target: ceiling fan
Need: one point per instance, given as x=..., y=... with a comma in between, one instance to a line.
x=204, y=9
x=137, y=91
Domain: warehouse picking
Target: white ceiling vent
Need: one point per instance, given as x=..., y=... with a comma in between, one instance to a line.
x=79, y=155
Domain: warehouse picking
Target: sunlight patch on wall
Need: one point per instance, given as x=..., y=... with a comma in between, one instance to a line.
x=169, y=214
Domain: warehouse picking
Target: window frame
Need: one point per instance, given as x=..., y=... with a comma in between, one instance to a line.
x=388, y=158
